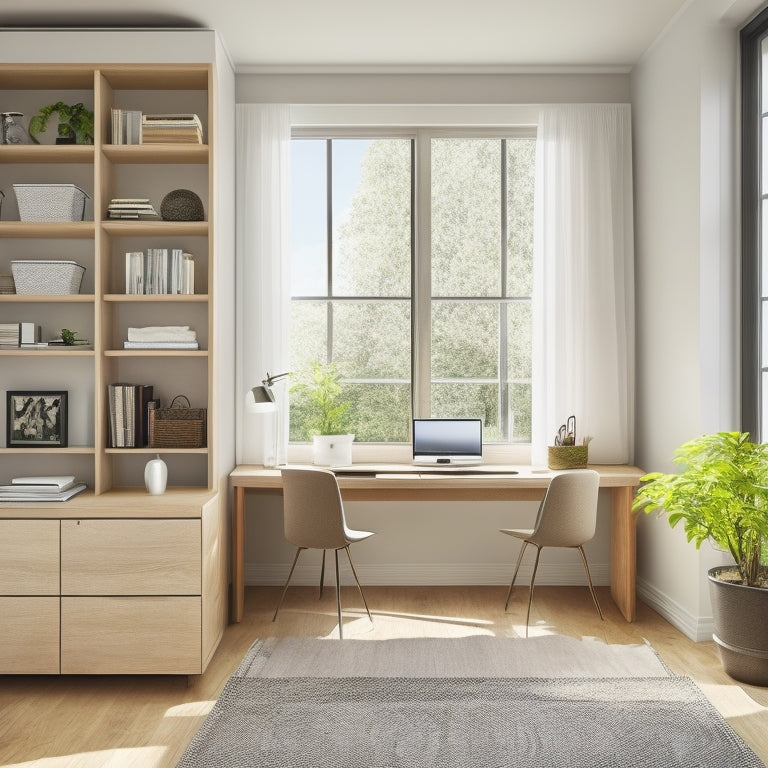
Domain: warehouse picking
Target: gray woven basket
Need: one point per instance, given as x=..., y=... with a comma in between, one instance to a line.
x=50, y=202
x=51, y=277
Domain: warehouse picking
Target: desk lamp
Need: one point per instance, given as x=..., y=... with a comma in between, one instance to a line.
x=260, y=402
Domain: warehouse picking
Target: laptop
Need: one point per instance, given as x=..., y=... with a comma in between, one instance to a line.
x=447, y=442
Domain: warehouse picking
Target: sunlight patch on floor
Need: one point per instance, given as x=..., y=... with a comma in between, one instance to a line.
x=731, y=700
x=139, y=757
x=190, y=709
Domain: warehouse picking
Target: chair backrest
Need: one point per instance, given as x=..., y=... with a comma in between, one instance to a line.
x=568, y=514
x=312, y=510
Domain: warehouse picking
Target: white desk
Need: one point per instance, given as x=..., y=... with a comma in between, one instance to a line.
x=392, y=482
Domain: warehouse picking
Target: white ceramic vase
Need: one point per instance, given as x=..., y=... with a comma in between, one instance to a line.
x=156, y=476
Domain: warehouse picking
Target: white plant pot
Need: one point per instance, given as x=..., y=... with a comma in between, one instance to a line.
x=332, y=450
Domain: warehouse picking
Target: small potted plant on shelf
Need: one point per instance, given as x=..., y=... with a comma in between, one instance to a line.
x=721, y=495
x=328, y=415
x=75, y=123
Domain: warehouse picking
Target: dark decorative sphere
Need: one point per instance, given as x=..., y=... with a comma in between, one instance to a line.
x=182, y=205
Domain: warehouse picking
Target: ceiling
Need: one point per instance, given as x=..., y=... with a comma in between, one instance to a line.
x=363, y=34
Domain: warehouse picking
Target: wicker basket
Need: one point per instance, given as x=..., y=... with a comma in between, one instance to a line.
x=50, y=202
x=568, y=456
x=178, y=426
x=40, y=276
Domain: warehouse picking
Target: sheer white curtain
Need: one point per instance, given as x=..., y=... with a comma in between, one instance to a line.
x=584, y=280
x=263, y=134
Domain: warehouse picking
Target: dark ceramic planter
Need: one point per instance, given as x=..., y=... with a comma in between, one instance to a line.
x=741, y=628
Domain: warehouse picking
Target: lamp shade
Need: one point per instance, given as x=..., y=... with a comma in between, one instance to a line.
x=262, y=394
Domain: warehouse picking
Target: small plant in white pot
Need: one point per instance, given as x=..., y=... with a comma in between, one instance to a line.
x=721, y=495
x=327, y=420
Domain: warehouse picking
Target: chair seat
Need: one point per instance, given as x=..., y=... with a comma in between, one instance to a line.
x=353, y=536
x=519, y=533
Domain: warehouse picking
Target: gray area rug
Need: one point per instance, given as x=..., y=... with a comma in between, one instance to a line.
x=384, y=720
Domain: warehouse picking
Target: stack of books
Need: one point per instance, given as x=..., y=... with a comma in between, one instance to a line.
x=159, y=270
x=7, y=286
x=171, y=129
x=46, y=488
x=19, y=334
x=126, y=126
x=129, y=406
x=131, y=208
x=179, y=337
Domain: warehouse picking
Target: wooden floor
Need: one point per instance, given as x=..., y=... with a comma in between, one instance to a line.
x=146, y=722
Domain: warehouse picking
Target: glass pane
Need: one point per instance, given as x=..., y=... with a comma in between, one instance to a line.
x=764, y=404
x=380, y=413
x=519, y=330
x=763, y=333
x=519, y=414
x=456, y=400
x=371, y=217
x=372, y=339
x=521, y=160
x=465, y=340
x=764, y=170
x=466, y=217
x=308, y=343
x=764, y=248
x=309, y=272
x=764, y=67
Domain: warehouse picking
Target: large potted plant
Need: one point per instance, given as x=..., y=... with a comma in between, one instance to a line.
x=721, y=494
x=328, y=415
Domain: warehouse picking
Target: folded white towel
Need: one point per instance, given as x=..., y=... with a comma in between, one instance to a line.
x=162, y=333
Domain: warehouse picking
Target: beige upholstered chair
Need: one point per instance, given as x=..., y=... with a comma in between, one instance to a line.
x=567, y=518
x=314, y=519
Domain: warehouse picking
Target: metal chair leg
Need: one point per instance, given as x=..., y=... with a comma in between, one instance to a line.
x=530, y=591
x=322, y=576
x=517, y=568
x=589, y=581
x=338, y=595
x=288, y=581
x=359, y=588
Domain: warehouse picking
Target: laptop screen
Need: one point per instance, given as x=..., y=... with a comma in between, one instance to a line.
x=444, y=441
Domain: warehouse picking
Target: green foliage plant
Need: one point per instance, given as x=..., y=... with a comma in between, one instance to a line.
x=75, y=122
x=721, y=494
x=328, y=410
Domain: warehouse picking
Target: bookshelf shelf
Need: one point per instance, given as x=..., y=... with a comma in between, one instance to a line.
x=158, y=298
x=156, y=153
x=155, y=228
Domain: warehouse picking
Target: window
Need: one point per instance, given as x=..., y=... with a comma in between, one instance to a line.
x=754, y=380
x=412, y=272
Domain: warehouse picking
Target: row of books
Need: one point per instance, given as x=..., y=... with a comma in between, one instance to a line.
x=131, y=208
x=131, y=126
x=129, y=406
x=16, y=334
x=159, y=271
x=43, y=488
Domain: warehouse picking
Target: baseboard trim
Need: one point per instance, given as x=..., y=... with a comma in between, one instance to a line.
x=426, y=574
x=696, y=628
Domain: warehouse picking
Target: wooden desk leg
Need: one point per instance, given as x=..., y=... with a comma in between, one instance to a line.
x=238, y=555
x=623, y=551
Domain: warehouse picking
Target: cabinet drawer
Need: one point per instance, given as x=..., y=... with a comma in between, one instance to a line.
x=29, y=557
x=29, y=635
x=130, y=557
x=131, y=635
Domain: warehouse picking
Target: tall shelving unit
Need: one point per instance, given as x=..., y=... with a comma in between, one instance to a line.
x=102, y=615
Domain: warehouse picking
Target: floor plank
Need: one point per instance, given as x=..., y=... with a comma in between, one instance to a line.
x=147, y=721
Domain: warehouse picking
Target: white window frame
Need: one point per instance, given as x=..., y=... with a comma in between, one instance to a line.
x=420, y=123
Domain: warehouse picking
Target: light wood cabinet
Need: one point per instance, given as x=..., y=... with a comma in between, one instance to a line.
x=141, y=582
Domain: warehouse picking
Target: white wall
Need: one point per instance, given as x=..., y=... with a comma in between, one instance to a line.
x=685, y=108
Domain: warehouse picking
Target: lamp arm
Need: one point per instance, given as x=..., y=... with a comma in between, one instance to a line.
x=270, y=380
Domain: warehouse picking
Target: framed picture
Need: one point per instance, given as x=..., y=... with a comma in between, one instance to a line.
x=36, y=419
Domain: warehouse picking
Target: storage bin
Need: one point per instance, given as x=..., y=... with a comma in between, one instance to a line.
x=567, y=456
x=50, y=202
x=178, y=426
x=52, y=277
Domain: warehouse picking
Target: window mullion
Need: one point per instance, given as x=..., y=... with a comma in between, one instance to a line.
x=422, y=279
